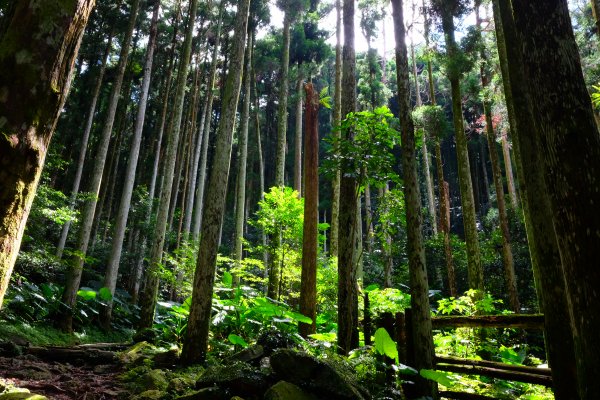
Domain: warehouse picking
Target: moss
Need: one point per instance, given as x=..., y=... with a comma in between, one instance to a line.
x=39, y=335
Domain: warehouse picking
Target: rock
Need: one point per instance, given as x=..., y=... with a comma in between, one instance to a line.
x=210, y=393
x=249, y=354
x=22, y=396
x=312, y=374
x=145, y=335
x=154, y=380
x=238, y=378
x=166, y=359
x=137, y=353
x=150, y=395
x=34, y=374
x=10, y=349
x=236, y=398
x=180, y=385
x=273, y=339
x=283, y=390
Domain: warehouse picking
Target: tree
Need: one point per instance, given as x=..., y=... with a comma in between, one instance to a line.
x=196, y=341
x=69, y=297
x=550, y=55
x=308, y=289
x=38, y=48
x=455, y=65
x=347, y=221
x=112, y=269
x=148, y=297
x=337, y=121
x=421, y=314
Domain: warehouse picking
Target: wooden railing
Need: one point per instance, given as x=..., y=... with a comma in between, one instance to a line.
x=399, y=326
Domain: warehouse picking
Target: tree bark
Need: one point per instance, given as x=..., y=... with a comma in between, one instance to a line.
x=112, y=267
x=33, y=91
x=337, y=120
x=543, y=246
x=298, y=140
x=196, y=341
x=421, y=312
x=348, y=221
x=148, y=297
x=310, y=243
x=69, y=296
x=283, y=101
x=550, y=55
x=510, y=179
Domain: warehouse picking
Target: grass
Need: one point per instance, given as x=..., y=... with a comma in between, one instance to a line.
x=44, y=335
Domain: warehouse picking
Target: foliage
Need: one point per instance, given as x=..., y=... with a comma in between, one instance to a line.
x=387, y=300
x=368, y=155
x=432, y=119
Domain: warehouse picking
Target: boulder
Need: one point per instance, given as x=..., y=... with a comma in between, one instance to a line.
x=314, y=375
x=250, y=354
x=273, y=339
x=283, y=390
x=155, y=379
x=22, y=396
x=150, y=395
x=238, y=378
x=209, y=393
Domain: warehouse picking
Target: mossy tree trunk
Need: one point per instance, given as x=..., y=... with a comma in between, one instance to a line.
x=308, y=285
x=39, y=43
x=298, y=136
x=421, y=311
x=337, y=120
x=195, y=344
x=543, y=246
x=571, y=158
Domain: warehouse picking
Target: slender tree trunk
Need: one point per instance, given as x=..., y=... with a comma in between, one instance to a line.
x=421, y=311
x=283, y=101
x=112, y=267
x=369, y=218
x=69, y=296
x=348, y=222
x=596, y=14
x=310, y=243
x=337, y=121
x=550, y=55
x=512, y=191
x=84, y=144
x=243, y=158
x=543, y=246
x=388, y=268
x=148, y=297
x=37, y=89
x=474, y=268
x=207, y=118
x=298, y=140
x=195, y=344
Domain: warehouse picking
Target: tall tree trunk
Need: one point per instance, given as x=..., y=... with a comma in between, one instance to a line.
x=283, y=101
x=310, y=243
x=474, y=268
x=443, y=192
x=196, y=341
x=37, y=89
x=207, y=118
x=550, y=55
x=543, y=245
x=337, y=121
x=84, y=144
x=348, y=222
x=512, y=191
x=69, y=296
x=112, y=267
x=298, y=140
x=596, y=14
x=148, y=297
x=421, y=311
x=243, y=158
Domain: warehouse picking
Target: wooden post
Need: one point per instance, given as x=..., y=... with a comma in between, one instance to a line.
x=367, y=320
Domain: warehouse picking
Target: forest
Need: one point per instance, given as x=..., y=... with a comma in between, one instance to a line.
x=299, y=199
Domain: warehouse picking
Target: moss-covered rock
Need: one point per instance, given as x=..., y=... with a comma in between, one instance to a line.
x=239, y=378
x=22, y=396
x=210, y=393
x=155, y=379
x=283, y=390
x=180, y=384
x=150, y=395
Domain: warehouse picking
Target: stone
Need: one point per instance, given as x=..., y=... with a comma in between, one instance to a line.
x=154, y=380
x=317, y=376
x=166, y=359
x=150, y=395
x=238, y=378
x=209, y=393
x=180, y=385
x=249, y=354
x=22, y=396
x=283, y=390
x=273, y=339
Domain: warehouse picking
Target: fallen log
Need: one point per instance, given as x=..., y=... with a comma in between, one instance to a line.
x=497, y=373
x=524, y=321
x=492, y=364
x=72, y=355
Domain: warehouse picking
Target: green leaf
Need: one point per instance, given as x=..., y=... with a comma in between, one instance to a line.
x=443, y=378
x=385, y=345
x=227, y=279
x=237, y=340
x=86, y=293
x=299, y=317
x=105, y=294
x=324, y=337
x=372, y=287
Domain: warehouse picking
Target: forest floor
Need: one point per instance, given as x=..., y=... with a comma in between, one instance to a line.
x=60, y=380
